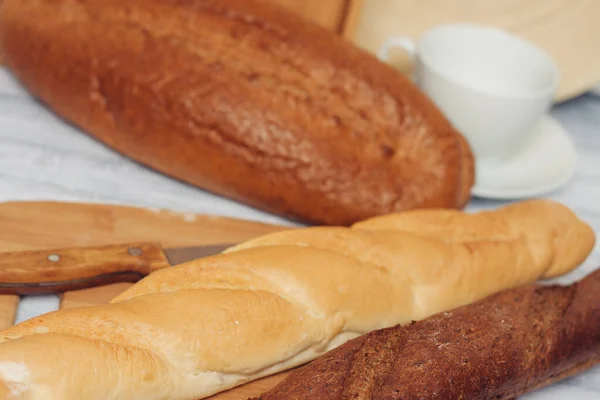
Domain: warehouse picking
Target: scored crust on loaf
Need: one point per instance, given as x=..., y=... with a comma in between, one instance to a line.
x=244, y=99
x=503, y=346
x=284, y=299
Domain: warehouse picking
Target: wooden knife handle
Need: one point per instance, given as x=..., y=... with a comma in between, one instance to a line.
x=55, y=271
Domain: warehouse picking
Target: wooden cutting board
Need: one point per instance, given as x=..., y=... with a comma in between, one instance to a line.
x=46, y=225
x=567, y=30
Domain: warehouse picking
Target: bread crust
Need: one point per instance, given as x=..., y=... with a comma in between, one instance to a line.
x=244, y=99
x=504, y=346
x=281, y=300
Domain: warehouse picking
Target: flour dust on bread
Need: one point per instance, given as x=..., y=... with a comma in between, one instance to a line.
x=244, y=99
x=283, y=299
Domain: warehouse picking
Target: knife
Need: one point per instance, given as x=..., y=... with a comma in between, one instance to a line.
x=61, y=270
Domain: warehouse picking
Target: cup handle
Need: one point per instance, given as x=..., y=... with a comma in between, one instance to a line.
x=402, y=42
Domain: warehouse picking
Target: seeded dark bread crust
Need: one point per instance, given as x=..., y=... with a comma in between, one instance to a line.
x=244, y=99
x=506, y=345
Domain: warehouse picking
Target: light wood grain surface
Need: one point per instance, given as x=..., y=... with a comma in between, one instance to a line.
x=328, y=13
x=567, y=30
x=8, y=310
x=351, y=19
x=50, y=225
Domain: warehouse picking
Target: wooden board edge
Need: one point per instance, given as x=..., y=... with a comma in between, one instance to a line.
x=351, y=19
x=128, y=207
x=8, y=310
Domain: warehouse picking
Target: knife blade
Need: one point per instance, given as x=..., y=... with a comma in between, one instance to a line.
x=61, y=270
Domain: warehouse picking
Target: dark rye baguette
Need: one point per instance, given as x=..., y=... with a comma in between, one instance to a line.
x=503, y=346
x=244, y=99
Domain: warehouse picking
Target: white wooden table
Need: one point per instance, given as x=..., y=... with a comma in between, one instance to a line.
x=42, y=158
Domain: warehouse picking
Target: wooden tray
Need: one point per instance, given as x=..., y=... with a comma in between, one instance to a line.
x=44, y=225
x=569, y=30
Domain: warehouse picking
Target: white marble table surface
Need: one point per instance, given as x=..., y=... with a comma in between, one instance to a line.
x=42, y=158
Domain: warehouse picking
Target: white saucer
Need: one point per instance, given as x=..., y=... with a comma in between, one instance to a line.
x=596, y=90
x=545, y=165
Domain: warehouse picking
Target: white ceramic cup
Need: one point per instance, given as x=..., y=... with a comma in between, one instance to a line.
x=493, y=86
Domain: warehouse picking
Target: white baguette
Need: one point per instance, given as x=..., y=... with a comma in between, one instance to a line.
x=278, y=301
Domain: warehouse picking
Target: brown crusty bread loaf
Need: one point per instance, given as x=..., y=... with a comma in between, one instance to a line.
x=274, y=303
x=244, y=99
x=501, y=347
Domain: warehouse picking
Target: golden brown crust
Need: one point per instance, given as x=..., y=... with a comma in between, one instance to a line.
x=498, y=348
x=243, y=99
x=281, y=300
